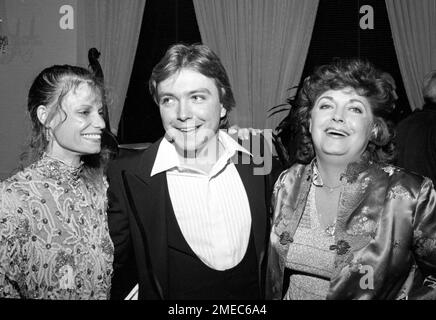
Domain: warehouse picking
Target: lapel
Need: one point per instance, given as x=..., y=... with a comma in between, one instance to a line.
x=149, y=199
x=294, y=197
x=351, y=217
x=256, y=198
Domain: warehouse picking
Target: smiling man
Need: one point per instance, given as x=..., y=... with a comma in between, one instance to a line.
x=189, y=215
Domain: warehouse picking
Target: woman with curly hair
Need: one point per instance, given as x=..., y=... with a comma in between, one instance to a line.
x=54, y=238
x=346, y=224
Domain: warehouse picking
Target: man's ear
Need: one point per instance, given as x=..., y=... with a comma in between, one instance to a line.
x=42, y=114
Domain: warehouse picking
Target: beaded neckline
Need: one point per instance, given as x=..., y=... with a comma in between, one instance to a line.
x=58, y=170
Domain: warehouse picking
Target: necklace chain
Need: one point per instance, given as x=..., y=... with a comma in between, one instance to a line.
x=331, y=189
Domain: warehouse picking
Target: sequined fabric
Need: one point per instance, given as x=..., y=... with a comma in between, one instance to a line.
x=54, y=238
x=310, y=254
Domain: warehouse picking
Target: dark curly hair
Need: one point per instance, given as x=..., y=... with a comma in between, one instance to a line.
x=196, y=57
x=376, y=86
x=50, y=88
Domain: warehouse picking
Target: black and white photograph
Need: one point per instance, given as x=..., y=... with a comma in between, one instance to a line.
x=208, y=158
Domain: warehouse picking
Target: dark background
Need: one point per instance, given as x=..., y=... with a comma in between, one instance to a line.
x=336, y=34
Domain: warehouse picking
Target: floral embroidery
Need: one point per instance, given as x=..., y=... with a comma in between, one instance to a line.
x=284, y=218
x=354, y=169
x=399, y=192
x=362, y=225
x=341, y=247
x=424, y=246
x=285, y=238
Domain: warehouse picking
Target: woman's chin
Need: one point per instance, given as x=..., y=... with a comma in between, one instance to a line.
x=339, y=156
x=336, y=155
x=336, y=152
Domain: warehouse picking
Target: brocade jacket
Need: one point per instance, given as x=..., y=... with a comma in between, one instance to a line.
x=385, y=235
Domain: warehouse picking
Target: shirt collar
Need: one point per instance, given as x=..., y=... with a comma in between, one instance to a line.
x=167, y=157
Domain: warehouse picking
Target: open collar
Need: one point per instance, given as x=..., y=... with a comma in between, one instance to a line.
x=168, y=159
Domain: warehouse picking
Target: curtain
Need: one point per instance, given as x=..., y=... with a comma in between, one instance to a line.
x=263, y=45
x=113, y=27
x=413, y=24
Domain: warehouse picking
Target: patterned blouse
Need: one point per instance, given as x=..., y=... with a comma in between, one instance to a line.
x=54, y=237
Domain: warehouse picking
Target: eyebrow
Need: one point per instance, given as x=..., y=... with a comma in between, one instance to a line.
x=357, y=100
x=89, y=106
x=325, y=97
x=331, y=99
x=200, y=90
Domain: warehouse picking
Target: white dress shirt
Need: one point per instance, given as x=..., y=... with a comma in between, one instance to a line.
x=212, y=209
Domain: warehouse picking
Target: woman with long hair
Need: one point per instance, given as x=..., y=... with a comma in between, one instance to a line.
x=54, y=238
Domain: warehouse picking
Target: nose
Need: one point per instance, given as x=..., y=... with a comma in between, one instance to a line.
x=98, y=122
x=184, y=111
x=337, y=118
x=338, y=115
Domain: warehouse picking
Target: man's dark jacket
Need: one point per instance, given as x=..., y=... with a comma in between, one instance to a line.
x=138, y=207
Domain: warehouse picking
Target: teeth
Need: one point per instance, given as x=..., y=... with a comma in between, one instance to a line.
x=188, y=129
x=336, y=132
x=93, y=136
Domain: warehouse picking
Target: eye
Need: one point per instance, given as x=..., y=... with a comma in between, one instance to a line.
x=166, y=100
x=356, y=109
x=101, y=112
x=84, y=112
x=198, y=98
x=324, y=106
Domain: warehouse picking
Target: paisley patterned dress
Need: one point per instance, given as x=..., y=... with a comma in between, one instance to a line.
x=54, y=237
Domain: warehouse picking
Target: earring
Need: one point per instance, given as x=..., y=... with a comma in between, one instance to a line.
x=47, y=135
x=374, y=133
